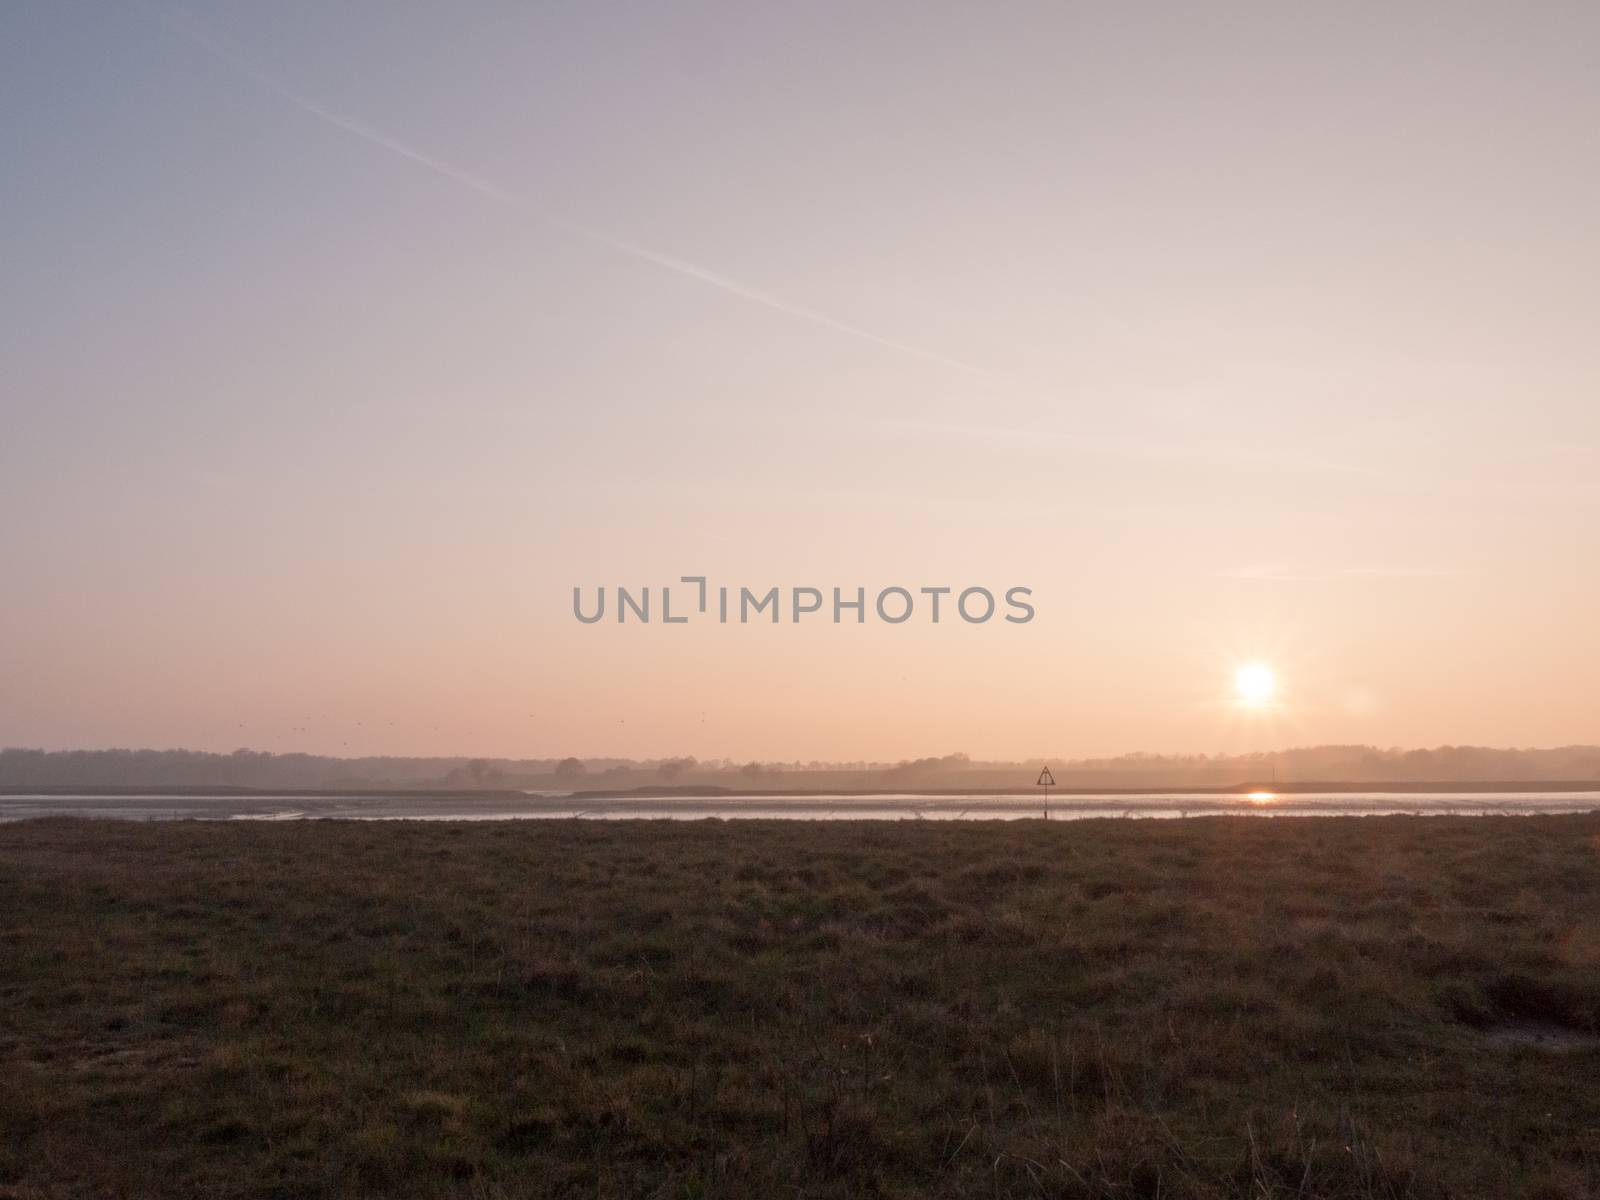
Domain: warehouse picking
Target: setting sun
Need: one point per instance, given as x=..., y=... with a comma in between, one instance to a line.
x=1255, y=683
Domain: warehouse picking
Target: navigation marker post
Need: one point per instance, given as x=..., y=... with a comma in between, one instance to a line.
x=1046, y=781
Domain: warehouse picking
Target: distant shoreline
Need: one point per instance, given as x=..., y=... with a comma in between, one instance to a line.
x=715, y=792
x=1237, y=789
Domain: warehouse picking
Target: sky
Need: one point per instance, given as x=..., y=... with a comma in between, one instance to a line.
x=339, y=343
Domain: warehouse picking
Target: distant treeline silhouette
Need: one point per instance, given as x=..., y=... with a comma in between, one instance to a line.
x=23, y=768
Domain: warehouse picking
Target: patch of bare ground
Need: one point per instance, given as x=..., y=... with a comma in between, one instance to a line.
x=1541, y=1035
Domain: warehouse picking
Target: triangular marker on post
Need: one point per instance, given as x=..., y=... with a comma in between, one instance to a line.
x=1046, y=781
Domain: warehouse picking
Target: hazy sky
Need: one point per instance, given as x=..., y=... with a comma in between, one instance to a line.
x=339, y=342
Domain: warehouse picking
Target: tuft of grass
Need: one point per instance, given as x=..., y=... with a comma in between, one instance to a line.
x=1203, y=1008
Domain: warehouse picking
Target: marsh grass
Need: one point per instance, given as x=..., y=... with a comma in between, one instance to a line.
x=1211, y=1007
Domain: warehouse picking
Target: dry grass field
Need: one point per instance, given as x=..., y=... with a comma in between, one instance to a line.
x=1362, y=1007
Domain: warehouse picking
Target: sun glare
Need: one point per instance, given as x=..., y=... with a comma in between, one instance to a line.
x=1254, y=683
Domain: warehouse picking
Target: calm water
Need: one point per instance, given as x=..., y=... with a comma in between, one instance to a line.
x=887, y=807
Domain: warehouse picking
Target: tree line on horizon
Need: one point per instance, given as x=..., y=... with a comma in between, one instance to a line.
x=22, y=768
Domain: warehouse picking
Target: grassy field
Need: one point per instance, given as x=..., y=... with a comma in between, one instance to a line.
x=1216, y=1007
